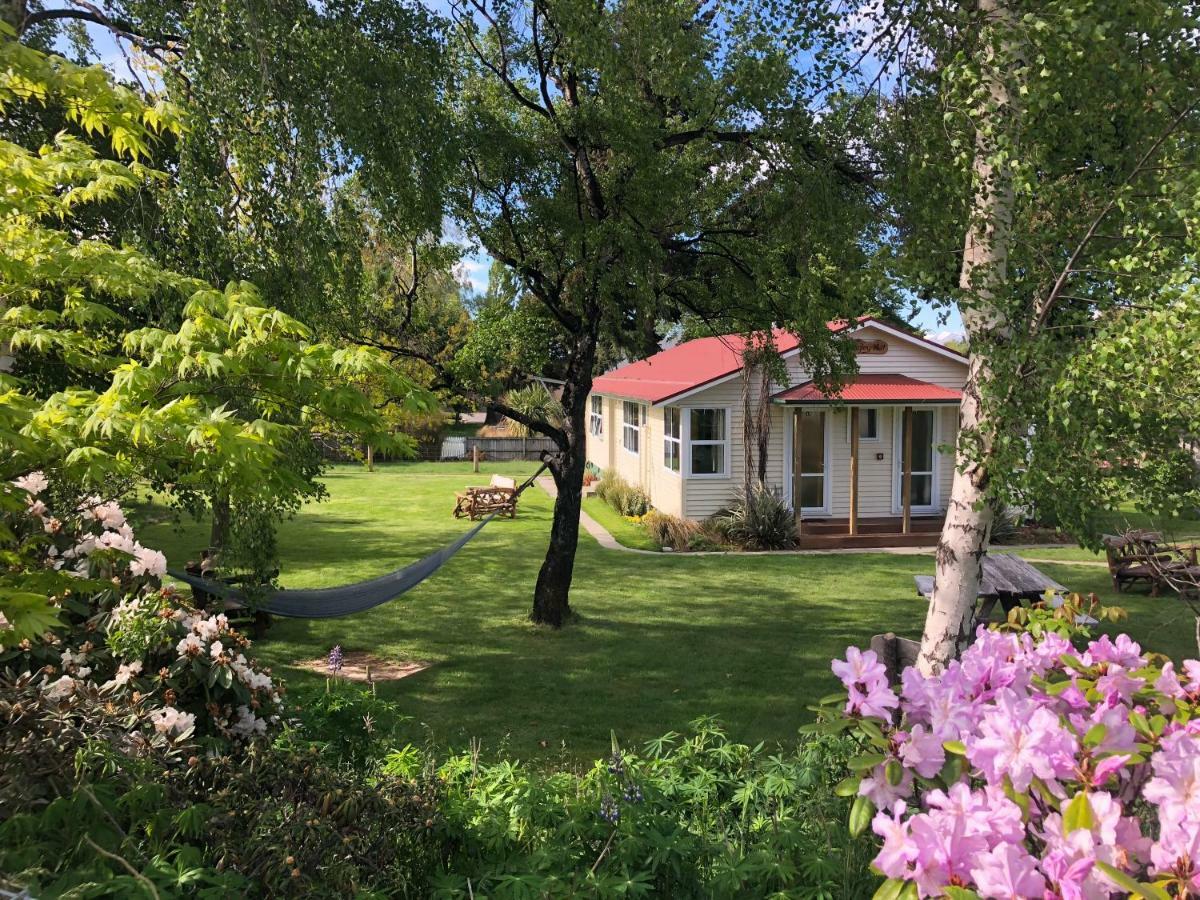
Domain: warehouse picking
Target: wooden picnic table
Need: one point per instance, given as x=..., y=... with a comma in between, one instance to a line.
x=1007, y=580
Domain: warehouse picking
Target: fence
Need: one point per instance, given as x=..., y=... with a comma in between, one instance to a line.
x=498, y=449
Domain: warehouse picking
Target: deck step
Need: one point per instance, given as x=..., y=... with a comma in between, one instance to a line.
x=868, y=526
x=810, y=541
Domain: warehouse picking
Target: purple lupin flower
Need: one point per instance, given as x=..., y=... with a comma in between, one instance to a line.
x=335, y=660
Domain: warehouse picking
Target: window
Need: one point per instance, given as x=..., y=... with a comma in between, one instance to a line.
x=868, y=424
x=632, y=433
x=596, y=419
x=708, y=442
x=672, y=445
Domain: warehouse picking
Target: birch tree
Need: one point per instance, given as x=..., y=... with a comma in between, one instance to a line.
x=1044, y=177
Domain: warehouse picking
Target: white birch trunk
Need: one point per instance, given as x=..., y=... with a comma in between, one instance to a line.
x=967, y=529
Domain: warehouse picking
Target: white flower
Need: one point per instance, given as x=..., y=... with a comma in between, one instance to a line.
x=108, y=514
x=52, y=525
x=84, y=671
x=37, y=509
x=34, y=482
x=61, y=689
x=5, y=625
x=208, y=629
x=171, y=721
x=247, y=723
x=148, y=562
x=215, y=649
x=71, y=659
x=190, y=646
x=125, y=672
x=114, y=540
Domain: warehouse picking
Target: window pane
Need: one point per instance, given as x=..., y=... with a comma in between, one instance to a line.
x=812, y=442
x=631, y=413
x=868, y=424
x=812, y=491
x=671, y=455
x=708, y=459
x=922, y=440
x=708, y=425
x=671, y=418
x=922, y=490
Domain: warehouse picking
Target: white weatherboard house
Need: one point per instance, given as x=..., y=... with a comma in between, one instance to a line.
x=672, y=424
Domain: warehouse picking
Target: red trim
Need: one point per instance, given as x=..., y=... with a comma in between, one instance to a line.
x=872, y=389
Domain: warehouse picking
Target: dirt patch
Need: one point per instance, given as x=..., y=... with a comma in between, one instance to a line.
x=357, y=663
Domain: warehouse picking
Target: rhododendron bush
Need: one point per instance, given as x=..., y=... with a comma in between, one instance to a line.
x=1029, y=769
x=113, y=629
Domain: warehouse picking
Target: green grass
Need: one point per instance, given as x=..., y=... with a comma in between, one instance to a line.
x=628, y=534
x=659, y=639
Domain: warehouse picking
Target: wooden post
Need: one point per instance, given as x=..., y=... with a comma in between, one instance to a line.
x=853, y=470
x=475, y=456
x=370, y=458
x=796, y=429
x=906, y=484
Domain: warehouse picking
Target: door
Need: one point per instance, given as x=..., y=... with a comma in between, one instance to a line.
x=811, y=461
x=924, y=453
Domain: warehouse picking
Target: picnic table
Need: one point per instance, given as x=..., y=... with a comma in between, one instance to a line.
x=1006, y=580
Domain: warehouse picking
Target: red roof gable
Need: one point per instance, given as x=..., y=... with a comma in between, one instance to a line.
x=873, y=389
x=700, y=362
x=685, y=367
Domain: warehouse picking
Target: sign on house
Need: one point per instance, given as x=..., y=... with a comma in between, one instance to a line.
x=864, y=347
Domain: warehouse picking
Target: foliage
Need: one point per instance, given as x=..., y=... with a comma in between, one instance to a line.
x=220, y=409
x=668, y=530
x=760, y=520
x=348, y=723
x=694, y=815
x=1028, y=768
x=625, y=498
x=534, y=402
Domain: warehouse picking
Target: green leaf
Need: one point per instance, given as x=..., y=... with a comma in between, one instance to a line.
x=861, y=813
x=958, y=748
x=847, y=787
x=889, y=890
x=1078, y=814
x=1132, y=886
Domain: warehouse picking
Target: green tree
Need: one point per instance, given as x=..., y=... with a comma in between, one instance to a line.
x=631, y=162
x=219, y=410
x=1045, y=176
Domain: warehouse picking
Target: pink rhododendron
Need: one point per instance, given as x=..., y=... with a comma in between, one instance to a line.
x=1062, y=753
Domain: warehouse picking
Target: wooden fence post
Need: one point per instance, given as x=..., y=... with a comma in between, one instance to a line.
x=475, y=456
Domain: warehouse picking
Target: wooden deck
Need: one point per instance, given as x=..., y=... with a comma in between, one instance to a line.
x=882, y=531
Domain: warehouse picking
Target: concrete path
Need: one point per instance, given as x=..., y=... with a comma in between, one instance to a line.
x=605, y=539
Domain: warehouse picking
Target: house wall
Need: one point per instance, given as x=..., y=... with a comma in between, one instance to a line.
x=697, y=498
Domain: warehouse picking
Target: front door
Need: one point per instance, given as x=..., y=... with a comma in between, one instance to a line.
x=924, y=451
x=810, y=475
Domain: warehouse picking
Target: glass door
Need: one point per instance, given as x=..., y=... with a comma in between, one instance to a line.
x=810, y=472
x=923, y=450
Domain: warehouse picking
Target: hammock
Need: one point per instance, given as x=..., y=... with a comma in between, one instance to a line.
x=329, y=603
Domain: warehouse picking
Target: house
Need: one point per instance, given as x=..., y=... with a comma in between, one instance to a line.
x=672, y=424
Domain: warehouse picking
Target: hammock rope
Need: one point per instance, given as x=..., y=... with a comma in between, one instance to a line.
x=334, y=602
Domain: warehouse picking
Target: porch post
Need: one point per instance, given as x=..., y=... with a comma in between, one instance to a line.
x=853, y=470
x=906, y=484
x=794, y=412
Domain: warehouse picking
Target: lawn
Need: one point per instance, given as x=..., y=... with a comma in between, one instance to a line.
x=659, y=639
x=630, y=534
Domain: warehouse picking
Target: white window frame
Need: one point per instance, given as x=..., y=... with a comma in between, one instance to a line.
x=935, y=492
x=626, y=428
x=726, y=442
x=878, y=424
x=677, y=440
x=596, y=418
x=789, y=474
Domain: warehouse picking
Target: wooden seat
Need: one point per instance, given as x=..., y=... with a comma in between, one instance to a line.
x=1134, y=557
x=498, y=496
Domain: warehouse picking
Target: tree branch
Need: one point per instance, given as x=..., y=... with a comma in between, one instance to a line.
x=544, y=428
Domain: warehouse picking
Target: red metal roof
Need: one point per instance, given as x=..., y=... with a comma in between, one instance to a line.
x=872, y=389
x=685, y=367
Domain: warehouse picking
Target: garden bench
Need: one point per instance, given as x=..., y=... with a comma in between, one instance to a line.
x=1136, y=556
x=498, y=496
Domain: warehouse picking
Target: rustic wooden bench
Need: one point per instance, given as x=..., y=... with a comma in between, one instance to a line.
x=498, y=496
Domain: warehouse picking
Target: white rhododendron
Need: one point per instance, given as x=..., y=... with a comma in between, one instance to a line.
x=172, y=722
x=34, y=482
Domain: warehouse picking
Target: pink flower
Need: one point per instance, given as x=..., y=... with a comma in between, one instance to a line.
x=859, y=667
x=1023, y=741
x=876, y=703
x=882, y=792
x=148, y=562
x=1008, y=871
x=899, y=851
x=923, y=752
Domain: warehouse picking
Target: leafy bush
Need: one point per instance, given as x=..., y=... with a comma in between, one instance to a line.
x=760, y=520
x=1006, y=526
x=669, y=531
x=625, y=498
x=1030, y=769
x=695, y=815
x=536, y=402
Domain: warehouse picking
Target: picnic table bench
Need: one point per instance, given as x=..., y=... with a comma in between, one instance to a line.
x=1145, y=556
x=1006, y=580
x=498, y=496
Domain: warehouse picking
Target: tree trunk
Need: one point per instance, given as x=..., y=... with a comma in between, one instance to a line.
x=967, y=529
x=218, y=536
x=551, y=595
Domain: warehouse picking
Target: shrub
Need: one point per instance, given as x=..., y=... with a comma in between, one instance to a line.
x=1029, y=769
x=669, y=531
x=536, y=402
x=760, y=520
x=695, y=815
x=625, y=498
x=1006, y=526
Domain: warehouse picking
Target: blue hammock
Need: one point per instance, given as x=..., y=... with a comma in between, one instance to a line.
x=329, y=603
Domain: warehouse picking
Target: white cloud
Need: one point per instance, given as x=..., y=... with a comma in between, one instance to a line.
x=947, y=335
x=473, y=271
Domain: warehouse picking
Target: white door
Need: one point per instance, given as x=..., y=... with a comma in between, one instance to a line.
x=924, y=461
x=810, y=432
